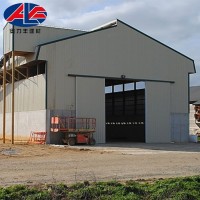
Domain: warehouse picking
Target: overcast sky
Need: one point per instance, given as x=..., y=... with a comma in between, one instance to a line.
x=174, y=22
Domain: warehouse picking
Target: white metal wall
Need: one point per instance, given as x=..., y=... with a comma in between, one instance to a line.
x=119, y=51
x=157, y=121
x=29, y=95
x=90, y=102
x=7, y=38
x=27, y=42
x=180, y=127
x=25, y=122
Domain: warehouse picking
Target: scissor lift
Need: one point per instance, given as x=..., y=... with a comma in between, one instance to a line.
x=75, y=130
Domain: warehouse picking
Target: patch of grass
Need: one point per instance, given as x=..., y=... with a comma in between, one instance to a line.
x=108, y=190
x=177, y=188
x=174, y=189
x=23, y=192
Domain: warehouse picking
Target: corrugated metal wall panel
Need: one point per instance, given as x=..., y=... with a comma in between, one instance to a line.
x=31, y=40
x=30, y=94
x=115, y=52
x=180, y=127
x=158, y=124
x=60, y=87
x=90, y=102
x=7, y=38
x=46, y=34
x=120, y=51
x=179, y=94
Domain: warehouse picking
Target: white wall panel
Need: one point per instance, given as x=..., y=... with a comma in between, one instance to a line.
x=29, y=95
x=90, y=102
x=180, y=127
x=121, y=51
x=158, y=119
x=60, y=87
x=7, y=38
x=180, y=94
x=27, y=42
x=25, y=122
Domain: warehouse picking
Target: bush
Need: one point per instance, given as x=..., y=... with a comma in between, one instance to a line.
x=174, y=189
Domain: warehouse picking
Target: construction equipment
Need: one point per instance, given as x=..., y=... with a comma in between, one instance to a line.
x=75, y=130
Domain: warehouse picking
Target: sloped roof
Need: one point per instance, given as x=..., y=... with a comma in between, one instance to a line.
x=197, y=103
x=194, y=94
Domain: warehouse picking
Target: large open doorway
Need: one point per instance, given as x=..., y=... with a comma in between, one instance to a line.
x=125, y=111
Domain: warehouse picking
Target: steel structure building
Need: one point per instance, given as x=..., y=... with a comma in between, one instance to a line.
x=48, y=71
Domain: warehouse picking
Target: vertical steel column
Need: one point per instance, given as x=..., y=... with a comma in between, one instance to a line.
x=124, y=99
x=113, y=100
x=13, y=96
x=135, y=98
x=4, y=99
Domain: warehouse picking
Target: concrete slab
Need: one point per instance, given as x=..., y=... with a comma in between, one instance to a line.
x=140, y=147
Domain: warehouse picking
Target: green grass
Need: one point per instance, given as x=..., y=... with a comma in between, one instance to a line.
x=198, y=138
x=172, y=189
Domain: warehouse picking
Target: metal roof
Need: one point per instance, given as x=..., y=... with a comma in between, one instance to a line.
x=197, y=103
x=194, y=94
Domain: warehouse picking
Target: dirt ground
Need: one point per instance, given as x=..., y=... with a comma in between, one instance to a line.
x=35, y=164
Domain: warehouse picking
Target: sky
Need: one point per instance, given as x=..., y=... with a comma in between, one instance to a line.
x=175, y=23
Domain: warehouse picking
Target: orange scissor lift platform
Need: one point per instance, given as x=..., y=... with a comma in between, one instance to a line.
x=75, y=130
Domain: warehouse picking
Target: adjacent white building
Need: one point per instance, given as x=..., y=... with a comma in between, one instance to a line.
x=65, y=72
x=194, y=100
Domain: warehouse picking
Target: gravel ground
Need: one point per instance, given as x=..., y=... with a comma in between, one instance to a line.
x=39, y=164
